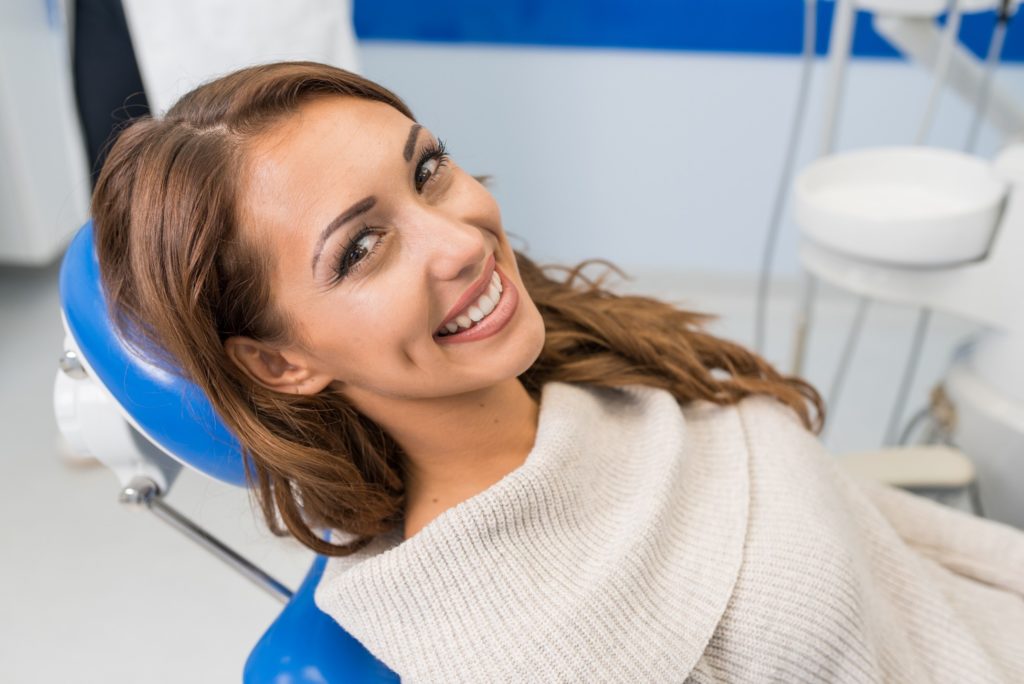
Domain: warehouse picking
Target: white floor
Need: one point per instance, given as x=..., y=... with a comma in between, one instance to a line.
x=93, y=591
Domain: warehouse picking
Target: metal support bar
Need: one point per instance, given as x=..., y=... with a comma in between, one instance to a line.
x=839, y=45
x=924, y=316
x=995, y=51
x=786, y=178
x=920, y=39
x=805, y=312
x=144, y=492
x=849, y=349
x=950, y=35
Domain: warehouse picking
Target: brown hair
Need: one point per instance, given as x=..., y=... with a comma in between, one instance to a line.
x=180, y=280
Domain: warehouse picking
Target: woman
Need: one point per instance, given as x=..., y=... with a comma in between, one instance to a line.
x=527, y=478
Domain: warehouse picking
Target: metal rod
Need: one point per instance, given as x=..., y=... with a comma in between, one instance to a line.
x=949, y=38
x=913, y=423
x=920, y=39
x=849, y=348
x=974, y=491
x=145, y=492
x=808, y=293
x=840, y=42
x=892, y=431
x=764, y=286
x=995, y=49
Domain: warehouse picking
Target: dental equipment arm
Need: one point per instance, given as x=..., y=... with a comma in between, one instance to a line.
x=920, y=38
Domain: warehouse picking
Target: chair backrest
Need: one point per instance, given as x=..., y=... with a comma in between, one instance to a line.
x=170, y=411
x=303, y=645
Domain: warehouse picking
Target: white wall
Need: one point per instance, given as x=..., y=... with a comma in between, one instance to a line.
x=660, y=161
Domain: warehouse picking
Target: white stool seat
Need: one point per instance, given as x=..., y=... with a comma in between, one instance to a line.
x=913, y=467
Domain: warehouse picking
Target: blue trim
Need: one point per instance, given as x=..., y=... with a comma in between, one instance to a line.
x=744, y=26
x=173, y=412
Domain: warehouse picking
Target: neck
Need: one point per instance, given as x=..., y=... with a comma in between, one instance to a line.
x=455, y=447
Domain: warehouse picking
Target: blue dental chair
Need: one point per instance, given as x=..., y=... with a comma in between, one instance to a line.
x=144, y=424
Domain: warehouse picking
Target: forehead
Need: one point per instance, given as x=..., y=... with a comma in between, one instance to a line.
x=331, y=151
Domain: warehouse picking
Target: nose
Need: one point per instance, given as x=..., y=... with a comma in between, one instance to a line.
x=453, y=249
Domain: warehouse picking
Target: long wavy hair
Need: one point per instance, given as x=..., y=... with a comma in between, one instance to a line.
x=180, y=279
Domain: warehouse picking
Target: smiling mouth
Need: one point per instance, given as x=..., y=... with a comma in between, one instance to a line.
x=478, y=310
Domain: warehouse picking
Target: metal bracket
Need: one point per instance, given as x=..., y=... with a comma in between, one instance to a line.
x=144, y=492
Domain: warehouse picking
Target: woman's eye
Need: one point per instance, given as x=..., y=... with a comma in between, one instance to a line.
x=432, y=158
x=426, y=171
x=361, y=246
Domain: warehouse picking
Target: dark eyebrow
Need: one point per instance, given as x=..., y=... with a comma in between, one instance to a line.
x=410, y=143
x=360, y=207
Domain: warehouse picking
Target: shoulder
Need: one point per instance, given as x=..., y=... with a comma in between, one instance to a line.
x=757, y=423
x=758, y=411
x=760, y=416
x=765, y=424
x=764, y=412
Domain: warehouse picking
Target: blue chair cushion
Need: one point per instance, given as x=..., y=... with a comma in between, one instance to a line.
x=303, y=645
x=171, y=411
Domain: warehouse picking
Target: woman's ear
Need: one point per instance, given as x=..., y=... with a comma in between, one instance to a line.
x=277, y=370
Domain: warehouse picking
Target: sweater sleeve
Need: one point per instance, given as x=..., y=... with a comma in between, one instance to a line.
x=983, y=550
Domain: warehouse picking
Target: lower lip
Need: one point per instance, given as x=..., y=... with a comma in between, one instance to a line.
x=494, y=322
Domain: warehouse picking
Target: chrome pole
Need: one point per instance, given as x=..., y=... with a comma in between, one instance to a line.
x=849, y=348
x=144, y=492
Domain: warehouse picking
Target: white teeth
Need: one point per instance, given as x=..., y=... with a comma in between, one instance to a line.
x=486, y=304
x=479, y=310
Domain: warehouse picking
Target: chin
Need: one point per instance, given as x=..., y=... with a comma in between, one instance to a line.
x=520, y=351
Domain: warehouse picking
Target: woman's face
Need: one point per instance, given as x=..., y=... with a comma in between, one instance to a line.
x=379, y=246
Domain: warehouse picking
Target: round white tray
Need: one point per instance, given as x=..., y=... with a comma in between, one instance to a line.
x=911, y=206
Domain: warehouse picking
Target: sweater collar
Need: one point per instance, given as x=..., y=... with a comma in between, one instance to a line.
x=625, y=504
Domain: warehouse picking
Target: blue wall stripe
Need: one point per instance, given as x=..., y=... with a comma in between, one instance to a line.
x=744, y=26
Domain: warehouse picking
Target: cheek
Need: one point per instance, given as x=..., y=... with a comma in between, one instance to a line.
x=490, y=205
x=375, y=321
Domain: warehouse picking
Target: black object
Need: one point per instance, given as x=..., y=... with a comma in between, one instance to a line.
x=108, y=85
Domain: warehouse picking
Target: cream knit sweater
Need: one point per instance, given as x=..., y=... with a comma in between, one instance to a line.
x=642, y=542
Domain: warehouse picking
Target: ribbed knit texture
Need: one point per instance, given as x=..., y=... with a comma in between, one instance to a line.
x=644, y=542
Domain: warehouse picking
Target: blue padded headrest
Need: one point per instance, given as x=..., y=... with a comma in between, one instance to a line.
x=170, y=411
x=304, y=645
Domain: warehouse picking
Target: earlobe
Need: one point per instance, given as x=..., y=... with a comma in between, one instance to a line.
x=272, y=368
x=312, y=383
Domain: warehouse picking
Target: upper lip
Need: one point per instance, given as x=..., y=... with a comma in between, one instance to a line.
x=471, y=295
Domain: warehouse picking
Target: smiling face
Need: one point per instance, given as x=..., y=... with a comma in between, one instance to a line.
x=380, y=246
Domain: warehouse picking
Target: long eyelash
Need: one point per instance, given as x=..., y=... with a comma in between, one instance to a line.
x=433, y=150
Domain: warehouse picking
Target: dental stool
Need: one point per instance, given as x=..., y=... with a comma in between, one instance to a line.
x=145, y=424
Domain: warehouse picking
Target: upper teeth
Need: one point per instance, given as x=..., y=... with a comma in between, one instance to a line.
x=479, y=309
